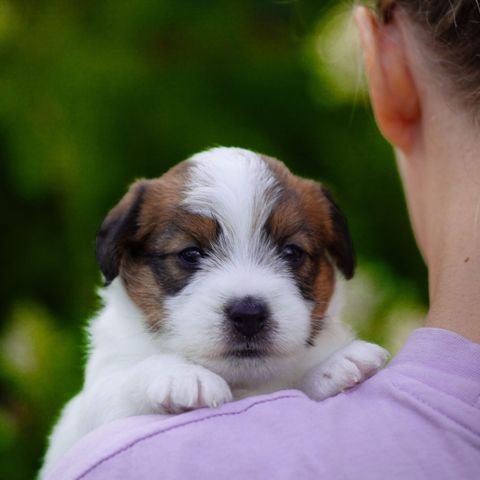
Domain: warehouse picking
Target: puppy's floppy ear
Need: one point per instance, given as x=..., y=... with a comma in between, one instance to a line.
x=118, y=229
x=340, y=245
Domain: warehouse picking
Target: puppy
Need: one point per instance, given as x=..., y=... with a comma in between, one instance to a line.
x=221, y=282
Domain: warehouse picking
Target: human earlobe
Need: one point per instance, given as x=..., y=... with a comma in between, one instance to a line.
x=393, y=93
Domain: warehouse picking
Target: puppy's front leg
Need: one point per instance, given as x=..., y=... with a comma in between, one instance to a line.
x=156, y=384
x=167, y=384
x=344, y=369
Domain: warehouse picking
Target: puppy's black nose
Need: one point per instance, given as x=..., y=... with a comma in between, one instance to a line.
x=248, y=315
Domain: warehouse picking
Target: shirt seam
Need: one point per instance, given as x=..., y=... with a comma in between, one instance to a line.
x=434, y=408
x=402, y=374
x=177, y=426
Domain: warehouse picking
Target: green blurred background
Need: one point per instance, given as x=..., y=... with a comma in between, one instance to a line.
x=96, y=93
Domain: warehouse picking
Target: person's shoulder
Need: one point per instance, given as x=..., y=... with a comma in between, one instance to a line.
x=390, y=426
x=441, y=362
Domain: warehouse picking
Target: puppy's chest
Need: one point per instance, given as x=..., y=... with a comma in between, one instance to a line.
x=244, y=391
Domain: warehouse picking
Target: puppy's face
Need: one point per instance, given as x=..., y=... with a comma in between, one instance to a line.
x=231, y=259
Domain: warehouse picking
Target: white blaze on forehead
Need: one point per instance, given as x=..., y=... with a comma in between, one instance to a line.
x=235, y=187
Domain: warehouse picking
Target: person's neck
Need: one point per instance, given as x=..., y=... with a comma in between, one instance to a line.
x=454, y=278
x=453, y=236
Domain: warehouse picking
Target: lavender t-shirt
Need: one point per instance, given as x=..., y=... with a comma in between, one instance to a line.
x=417, y=419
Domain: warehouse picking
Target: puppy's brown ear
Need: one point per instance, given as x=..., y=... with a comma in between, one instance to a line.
x=340, y=245
x=117, y=232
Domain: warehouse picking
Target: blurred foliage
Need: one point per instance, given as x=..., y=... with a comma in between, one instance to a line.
x=94, y=94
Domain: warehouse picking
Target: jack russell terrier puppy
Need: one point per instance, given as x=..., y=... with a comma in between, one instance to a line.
x=221, y=282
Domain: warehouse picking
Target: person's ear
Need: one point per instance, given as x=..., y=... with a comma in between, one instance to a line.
x=393, y=92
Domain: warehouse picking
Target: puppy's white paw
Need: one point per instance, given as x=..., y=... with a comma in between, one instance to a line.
x=187, y=387
x=344, y=369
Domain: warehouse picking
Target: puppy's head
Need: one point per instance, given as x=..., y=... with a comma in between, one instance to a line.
x=231, y=259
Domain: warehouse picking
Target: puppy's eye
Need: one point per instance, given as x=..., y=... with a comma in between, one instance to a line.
x=293, y=255
x=190, y=257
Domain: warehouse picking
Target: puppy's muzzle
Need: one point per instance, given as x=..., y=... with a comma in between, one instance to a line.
x=248, y=315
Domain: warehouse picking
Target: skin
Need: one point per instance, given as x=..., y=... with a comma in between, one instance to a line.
x=436, y=143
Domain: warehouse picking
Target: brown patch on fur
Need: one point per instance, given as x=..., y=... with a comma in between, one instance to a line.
x=302, y=217
x=140, y=283
x=148, y=262
x=323, y=288
x=142, y=236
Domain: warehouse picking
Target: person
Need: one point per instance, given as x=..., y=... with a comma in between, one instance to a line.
x=419, y=418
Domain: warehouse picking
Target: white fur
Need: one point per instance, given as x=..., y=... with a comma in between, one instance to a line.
x=236, y=187
x=132, y=371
